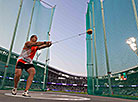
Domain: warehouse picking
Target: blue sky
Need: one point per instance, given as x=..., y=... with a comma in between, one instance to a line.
x=69, y=19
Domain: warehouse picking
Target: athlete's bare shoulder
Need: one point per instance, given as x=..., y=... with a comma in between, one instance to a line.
x=29, y=44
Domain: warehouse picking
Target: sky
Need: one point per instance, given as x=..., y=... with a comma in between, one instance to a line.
x=69, y=20
x=66, y=24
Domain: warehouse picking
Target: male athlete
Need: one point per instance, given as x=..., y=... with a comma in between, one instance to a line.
x=25, y=62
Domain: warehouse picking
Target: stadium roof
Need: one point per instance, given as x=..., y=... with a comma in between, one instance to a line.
x=134, y=68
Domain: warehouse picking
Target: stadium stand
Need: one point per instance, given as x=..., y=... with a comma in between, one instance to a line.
x=57, y=80
x=124, y=82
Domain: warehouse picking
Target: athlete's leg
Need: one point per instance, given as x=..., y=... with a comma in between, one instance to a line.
x=31, y=72
x=18, y=73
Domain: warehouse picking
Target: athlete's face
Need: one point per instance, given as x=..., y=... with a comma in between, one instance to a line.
x=34, y=39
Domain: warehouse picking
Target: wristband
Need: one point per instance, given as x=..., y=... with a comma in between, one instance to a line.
x=44, y=42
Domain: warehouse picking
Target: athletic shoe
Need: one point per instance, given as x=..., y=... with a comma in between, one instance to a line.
x=26, y=94
x=14, y=91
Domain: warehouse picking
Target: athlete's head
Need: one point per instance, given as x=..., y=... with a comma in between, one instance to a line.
x=33, y=38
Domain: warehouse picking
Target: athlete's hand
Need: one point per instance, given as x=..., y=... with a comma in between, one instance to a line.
x=45, y=45
x=48, y=43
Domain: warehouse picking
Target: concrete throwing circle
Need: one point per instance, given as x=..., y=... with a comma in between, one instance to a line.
x=51, y=96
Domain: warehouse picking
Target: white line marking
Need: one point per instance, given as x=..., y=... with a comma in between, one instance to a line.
x=46, y=96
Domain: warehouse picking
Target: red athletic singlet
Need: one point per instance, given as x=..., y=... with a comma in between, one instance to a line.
x=27, y=55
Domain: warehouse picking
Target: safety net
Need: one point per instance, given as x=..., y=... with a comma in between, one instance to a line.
x=39, y=20
x=116, y=29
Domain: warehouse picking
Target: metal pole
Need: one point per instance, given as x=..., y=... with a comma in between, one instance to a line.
x=52, y=14
x=106, y=52
x=46, y=64
x=45, y=74
x=95, y=47
x=92, y=54
x=30, y=21
x=29, y=28
x=136, y=52
x=46, y=3
x=15, y=29
x=92, y=65
x=135, y=12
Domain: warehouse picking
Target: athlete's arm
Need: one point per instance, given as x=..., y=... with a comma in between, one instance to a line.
x=30, y=44
x=48, y=44
x=39, y=43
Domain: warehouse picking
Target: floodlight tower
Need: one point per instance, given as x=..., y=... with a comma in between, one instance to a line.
x=132, y=44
